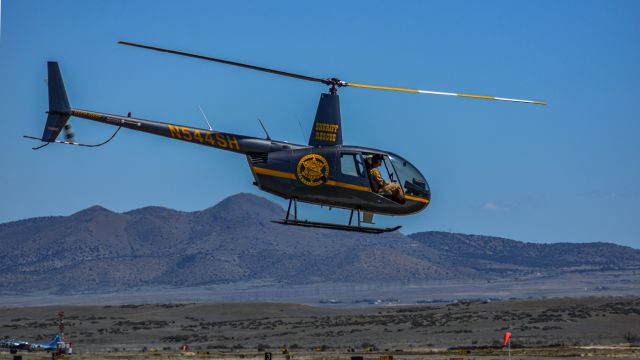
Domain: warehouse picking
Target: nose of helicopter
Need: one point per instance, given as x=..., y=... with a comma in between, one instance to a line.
x=413, y=204
x=417, y=193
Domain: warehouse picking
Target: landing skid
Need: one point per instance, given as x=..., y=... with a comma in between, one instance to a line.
x=315, y=224
x=334, y=226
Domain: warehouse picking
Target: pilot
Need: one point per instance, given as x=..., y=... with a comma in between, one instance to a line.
x=380, y=185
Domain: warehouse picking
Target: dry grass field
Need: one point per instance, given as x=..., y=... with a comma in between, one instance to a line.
x=556, y=353
x=562, y=328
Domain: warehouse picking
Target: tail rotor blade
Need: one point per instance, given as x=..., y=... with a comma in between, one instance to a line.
x=69, y=136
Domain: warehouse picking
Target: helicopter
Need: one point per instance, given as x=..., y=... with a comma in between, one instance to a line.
x=324, y=172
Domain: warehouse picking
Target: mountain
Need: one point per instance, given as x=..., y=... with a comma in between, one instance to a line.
x=494, y=254
x=236, y=240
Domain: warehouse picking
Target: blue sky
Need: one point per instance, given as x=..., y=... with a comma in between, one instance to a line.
x=565, y=172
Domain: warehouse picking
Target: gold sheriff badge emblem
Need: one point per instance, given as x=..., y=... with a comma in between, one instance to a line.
x=313, y=170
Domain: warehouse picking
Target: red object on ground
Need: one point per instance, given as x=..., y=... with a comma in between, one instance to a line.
x=507, y=337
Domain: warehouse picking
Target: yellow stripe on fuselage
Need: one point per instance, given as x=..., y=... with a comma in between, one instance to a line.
x=286, y=175
x=415, y=198
x=269, y=172
x=348, y=186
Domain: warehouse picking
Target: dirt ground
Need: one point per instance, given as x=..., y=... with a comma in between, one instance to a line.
x=551, y=328
x=564, y=353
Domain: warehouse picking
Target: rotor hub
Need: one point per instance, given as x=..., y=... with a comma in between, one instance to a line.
x=334, y=84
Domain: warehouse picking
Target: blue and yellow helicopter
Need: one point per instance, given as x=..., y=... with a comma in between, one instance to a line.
x=323, y=172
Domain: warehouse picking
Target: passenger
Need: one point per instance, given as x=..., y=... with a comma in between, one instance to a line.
x=380, y=184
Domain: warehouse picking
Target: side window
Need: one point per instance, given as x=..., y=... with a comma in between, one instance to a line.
x=351, y=164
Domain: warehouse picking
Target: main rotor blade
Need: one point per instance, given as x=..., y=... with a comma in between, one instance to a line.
x=443, y=93
x=331, y=82
x=209, y=58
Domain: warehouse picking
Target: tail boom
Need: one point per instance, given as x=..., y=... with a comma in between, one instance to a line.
x=60, y=111
x=224, y=141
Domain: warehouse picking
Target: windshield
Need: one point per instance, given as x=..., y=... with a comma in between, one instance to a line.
x=409, y=177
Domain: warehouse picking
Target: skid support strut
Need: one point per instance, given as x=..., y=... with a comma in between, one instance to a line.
x=295, y=210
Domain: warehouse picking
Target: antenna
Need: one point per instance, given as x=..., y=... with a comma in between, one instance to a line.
x=61, y=324
x=205, y=117
x=304, y=136
x=265, y=129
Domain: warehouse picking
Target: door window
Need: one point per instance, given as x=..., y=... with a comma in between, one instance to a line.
x=351, y=164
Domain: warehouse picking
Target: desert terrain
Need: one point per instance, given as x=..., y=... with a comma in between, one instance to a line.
x=549, y=328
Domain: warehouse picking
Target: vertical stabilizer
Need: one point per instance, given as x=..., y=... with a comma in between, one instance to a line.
x=59, y=109
x=55, y=341
x=327, y=127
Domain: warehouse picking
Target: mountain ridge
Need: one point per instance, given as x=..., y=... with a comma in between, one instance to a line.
x=236, y=240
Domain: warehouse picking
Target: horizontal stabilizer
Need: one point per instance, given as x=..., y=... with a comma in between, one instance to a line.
x=55, y=124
